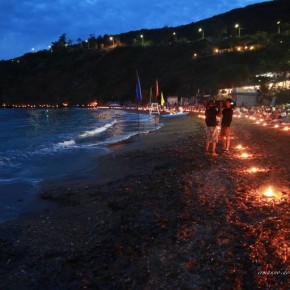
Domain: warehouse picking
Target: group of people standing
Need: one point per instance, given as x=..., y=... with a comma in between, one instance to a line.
x=214, y=114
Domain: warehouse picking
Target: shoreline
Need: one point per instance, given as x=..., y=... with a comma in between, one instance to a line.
x=29, y=201
x=165, y=215
x=103, y=172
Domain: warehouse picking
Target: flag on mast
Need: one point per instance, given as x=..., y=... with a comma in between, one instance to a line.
x=156, y=89
x=162, y=99
x=138, y=89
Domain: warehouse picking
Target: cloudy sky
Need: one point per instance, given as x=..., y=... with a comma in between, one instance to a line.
x=27, y=24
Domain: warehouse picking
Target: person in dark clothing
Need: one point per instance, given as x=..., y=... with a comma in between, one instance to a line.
x=227, y=117
x=212, y=115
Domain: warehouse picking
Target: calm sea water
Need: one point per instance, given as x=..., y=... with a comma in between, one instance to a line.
x=41, y=145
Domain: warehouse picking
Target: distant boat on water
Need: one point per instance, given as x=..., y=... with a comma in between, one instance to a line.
x=172, y=115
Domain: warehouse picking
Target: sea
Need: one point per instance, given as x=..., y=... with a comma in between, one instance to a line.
x=50, y=145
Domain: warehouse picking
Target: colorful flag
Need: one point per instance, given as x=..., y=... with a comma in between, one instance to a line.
x=162, y=99
x=138, y=89
x=156, y=89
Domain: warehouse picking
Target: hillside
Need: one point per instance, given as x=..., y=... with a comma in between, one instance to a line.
x=183, y=65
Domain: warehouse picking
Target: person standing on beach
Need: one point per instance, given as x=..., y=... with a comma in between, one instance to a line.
x=212, y=115
x=227, y=117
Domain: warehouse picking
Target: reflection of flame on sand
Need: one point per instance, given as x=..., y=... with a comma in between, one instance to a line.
x=272, y=231
x=256, y=169
x=281, y=244
x=272, y=236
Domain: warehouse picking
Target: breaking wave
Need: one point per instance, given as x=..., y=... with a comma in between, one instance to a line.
x=87, y=134
x=97, y=130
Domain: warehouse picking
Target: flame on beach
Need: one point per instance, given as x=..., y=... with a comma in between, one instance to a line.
x=245, y=155
x=240, y=147
x=268, y=192
x=268, y=195
x=286, y=128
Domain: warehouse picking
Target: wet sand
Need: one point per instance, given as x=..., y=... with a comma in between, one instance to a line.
x=161, y=214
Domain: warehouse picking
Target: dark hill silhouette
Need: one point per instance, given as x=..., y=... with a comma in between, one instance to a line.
x=183, y=63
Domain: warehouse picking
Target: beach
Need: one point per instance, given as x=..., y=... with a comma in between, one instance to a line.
x=161, y=214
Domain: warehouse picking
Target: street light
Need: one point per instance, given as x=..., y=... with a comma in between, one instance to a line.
x=201, y=31
x=279, y=27
x=239, y=28
x=174, y=35
x=87, y=41
x=112, y=39
x=142, y=37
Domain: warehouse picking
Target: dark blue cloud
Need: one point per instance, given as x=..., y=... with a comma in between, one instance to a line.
x=37, y=23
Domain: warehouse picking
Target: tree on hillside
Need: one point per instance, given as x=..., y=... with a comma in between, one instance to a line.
x=262, y=38
x=283, y=97
x=61, y=44
x=218, y=28
x=79, y=43
x=93, y=42
x=100, y=41
x=172, y=86
x=264, y=89
x=233, y=75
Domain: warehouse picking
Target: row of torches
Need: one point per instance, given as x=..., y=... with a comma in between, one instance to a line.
x=261, y=121
x=270, y=195
x=269, y=192
x=267, y=195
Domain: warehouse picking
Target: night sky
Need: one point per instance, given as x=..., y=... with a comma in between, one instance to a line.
x=35, y=24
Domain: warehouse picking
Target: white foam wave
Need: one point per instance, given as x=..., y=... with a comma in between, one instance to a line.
x=67, y=143
x=97, y=130
x=128, y=136
x=86, y=134
x=20, y=179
